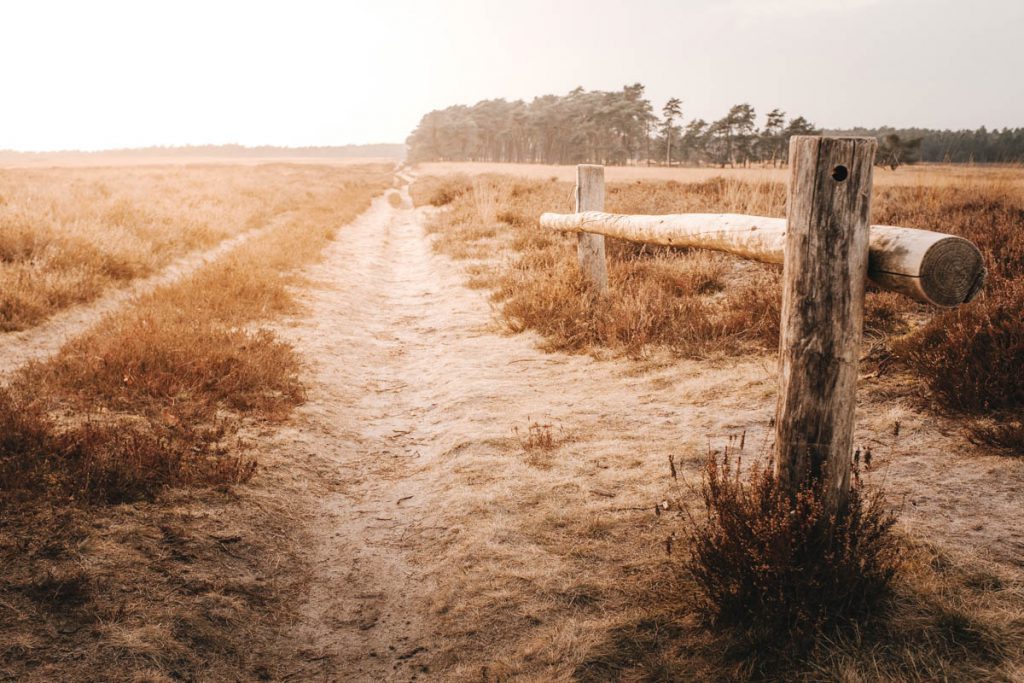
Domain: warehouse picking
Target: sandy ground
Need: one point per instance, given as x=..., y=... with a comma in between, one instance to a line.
x=433, y=517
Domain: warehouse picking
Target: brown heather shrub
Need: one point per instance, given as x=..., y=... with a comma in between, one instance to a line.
x=25, y=438
x=777, y=568
x=158, y=361
x=105, y=462
x=972, y=357
x=439, y=191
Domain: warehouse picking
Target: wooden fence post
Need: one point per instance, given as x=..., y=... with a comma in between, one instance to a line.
x=824, y=274
x=590, y=247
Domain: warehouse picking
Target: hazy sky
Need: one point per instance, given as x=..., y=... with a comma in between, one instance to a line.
x=99, y=74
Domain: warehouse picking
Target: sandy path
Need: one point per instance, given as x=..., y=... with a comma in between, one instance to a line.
x=421, y=478
x=410, y=380
x=43, y=340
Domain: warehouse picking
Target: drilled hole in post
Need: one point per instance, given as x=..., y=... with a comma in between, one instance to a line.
x=839, y=173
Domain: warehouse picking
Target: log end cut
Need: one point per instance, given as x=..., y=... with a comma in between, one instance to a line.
x=952, y=272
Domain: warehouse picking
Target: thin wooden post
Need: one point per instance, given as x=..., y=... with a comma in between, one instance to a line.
x=590, y=247
x=824, y=274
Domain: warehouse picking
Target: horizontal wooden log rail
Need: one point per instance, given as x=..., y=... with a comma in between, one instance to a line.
x=927, y=266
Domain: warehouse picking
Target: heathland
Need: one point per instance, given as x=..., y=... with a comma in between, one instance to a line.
x=376, y=440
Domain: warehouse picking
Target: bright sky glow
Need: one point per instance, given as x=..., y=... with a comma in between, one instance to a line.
x=102, y=74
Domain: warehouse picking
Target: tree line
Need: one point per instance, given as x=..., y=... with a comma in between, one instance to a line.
x=599, y=126
x=622, y=127
x=1005, y=146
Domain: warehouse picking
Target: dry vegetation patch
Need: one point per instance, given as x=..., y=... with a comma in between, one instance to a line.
x=779, y=568
x=184, y=363
x=150, y=398
x=693, y=303
x=704, y=304
x=578, y=570
x=972, y=357
x=562, y=580
x=66, y=235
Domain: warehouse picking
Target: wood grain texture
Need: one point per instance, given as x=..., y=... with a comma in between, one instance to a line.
x=927, y=266
x=824, y=276
x=589, y=246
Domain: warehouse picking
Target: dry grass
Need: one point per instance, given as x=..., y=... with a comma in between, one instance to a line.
x=198, y=586
x=704, y=304
x=67, y=235
x=693, y=303
x=575, y=571
x=170, y=377
x=555, y=569
x=153, y=397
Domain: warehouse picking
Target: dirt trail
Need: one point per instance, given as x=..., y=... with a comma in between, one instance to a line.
x=410, y=424
x=409, y=379
x=43, y=340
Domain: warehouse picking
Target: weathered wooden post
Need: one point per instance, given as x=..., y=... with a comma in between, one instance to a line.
x=590, y=247
x=824, y=274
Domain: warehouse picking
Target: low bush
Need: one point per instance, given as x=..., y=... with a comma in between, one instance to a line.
x=439, y=191
x=780, y=568
x=972, y=357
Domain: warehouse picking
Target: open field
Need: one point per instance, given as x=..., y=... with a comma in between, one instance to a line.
x=108, y=160
x=69, y=235
x=666, y=305
x=395, y=440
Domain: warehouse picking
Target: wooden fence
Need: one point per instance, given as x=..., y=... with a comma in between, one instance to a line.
x=829, y=252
